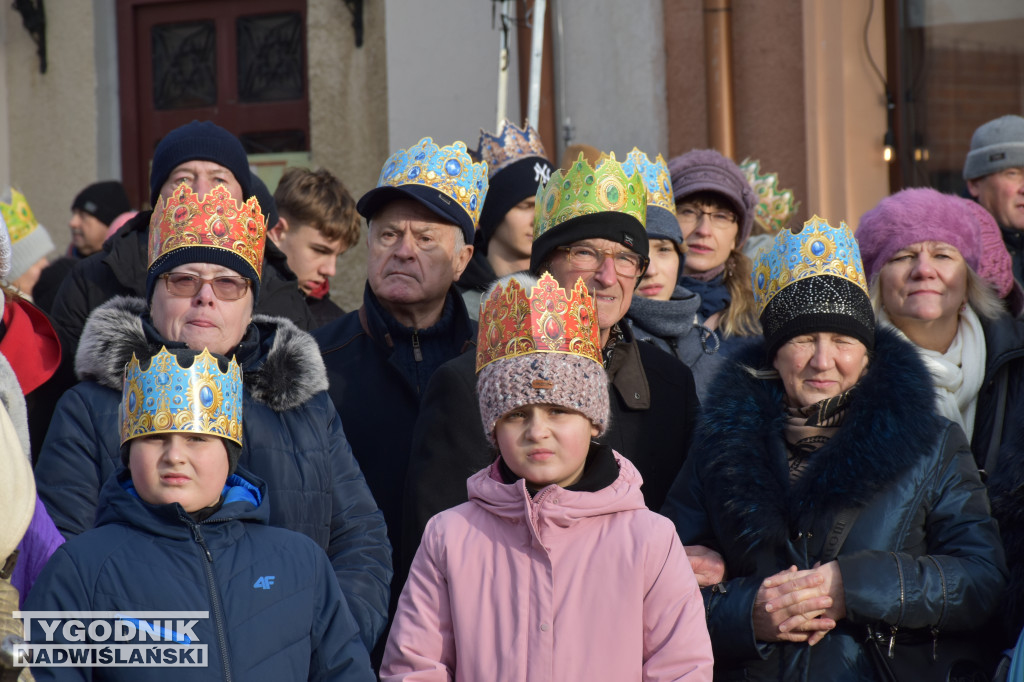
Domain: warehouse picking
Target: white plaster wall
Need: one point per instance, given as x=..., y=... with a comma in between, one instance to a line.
x=610, y=74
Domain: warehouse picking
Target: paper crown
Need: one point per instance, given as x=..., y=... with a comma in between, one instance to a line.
x=774, y=206
x=582, y=190
x=657, y=180
x=815, y=249
x=214, y=221
x=547, y=320
x=168, y=398
x=18, y=216
x=509, y=145
x=448, y=169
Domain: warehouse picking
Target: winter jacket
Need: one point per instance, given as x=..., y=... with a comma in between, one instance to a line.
x=922, y=553
x=292, y=438
x=144, y=557
x=567, y=585
x=38, y=544
x=120, y=269
x=376, y=382
x=675, y=327
x=323, y=310
x=1004, y=371
x=653, y=408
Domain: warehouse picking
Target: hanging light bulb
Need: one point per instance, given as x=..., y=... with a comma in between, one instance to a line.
x=889, y=147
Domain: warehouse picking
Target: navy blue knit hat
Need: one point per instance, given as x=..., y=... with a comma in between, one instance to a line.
x=203, y=141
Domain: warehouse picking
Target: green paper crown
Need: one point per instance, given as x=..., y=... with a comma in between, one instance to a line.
x=582, y=190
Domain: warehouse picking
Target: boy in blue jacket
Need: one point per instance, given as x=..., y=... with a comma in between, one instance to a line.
x=180, y=530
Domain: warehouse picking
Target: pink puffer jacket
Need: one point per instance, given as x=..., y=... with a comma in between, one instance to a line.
x=566, y=586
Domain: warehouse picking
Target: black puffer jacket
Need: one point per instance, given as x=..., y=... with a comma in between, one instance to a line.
x=292, y=438
x=1004, y=376
x=923, y=551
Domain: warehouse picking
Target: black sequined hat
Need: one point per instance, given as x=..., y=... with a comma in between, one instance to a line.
x=811, y=279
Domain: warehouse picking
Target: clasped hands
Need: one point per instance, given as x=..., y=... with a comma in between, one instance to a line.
x=799, y=606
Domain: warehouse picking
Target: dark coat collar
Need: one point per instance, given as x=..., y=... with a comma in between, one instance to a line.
x=890, y=426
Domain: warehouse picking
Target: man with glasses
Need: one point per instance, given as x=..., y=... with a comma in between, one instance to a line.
x=593, y=230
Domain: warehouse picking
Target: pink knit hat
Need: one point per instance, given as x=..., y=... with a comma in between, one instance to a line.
x=919, y=214
x=995, y=265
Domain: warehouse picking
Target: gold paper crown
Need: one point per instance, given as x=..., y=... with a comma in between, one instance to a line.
x=509, y=145
x=18, y=216
x=214, y=221
x=774, y=206
x=583, y=190
x=548, y=320
x=169, y=398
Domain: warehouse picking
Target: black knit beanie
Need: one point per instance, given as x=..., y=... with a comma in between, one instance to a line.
x=508, y=187
x=103, y=200
x=203, y=141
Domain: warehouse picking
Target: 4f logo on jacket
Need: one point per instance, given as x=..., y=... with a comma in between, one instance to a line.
x=264, y=582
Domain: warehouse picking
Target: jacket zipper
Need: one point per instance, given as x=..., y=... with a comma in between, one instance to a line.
x=899, y=618
x=218, y=615
x=417, y=354
x=942, y=612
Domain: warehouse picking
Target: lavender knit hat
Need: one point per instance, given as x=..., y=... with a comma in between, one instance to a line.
x=571, y=381
x=705, y=170
x=919, y=214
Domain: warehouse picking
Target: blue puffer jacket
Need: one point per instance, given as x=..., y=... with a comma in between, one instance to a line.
x=922, y=554
x=292, y=438
x=143, y=557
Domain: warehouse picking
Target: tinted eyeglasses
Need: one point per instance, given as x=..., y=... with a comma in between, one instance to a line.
x=590, y=259
x=187, y=285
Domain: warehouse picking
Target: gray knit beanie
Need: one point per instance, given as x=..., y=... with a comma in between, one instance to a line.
x=571, y=381
x=705, y=170
x=995, y=146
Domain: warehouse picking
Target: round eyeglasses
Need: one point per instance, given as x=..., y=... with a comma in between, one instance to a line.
x=688, y=217
x=590, y=259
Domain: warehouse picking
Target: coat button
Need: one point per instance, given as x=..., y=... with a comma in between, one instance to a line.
x=544, y=627
x=636, y=396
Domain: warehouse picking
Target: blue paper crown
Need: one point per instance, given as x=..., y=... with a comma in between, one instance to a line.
x=657, y=180
x=449, y=170
x=509, y=145
x=169, y=398
x=816, y=249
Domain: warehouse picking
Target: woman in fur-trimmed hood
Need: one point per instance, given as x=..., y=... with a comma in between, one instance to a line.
x=831, y=420
x=201, y=295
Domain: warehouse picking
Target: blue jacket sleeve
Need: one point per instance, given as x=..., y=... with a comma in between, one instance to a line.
x=337, y=649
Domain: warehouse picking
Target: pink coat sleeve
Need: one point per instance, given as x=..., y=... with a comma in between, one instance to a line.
x=676, y=641
x=421, y=646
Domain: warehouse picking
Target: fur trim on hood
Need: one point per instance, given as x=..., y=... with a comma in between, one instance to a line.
x=890, y=425
x=288, y=371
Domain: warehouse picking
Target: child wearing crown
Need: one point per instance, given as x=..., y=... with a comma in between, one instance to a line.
x=555, y=569
x=179, y=529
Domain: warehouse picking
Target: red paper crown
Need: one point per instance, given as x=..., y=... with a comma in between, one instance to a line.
x=546, y=321
x=215, y=220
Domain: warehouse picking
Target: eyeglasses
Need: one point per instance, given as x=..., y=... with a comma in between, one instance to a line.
x=689, y=217
x=590, y=259
x=186, y=285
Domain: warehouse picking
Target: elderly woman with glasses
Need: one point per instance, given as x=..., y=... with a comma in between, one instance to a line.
x=205, y=261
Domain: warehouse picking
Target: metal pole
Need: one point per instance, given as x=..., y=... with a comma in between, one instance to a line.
x=536, y=58
x=718, y=65
x=503, y=65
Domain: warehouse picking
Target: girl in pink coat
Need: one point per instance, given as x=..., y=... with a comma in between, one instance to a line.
x=555, y=569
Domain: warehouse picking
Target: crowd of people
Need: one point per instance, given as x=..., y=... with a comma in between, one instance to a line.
x=601, y=420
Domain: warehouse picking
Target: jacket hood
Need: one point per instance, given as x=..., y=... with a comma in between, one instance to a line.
x=890, y=425
x=244, y=498
x=285, y=371
x=512, y=500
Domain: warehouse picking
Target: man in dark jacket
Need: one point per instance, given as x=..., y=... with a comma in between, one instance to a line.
x=380, y=357
x=203, y=155
x=653, y=400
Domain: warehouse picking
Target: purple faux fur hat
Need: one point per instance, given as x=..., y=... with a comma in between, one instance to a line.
x=919, y=214
x=705, y=170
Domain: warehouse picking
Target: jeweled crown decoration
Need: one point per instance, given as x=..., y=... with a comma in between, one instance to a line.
x=168, y=398
x=657, y=180
x=583, y=190
x=215, y=220
x=510, y=144
x=449, y=170
x=18, y=216
x=774, y=206
x=547, y=320
x=815, y=249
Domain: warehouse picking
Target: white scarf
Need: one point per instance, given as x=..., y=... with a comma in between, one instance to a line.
x=958, y=372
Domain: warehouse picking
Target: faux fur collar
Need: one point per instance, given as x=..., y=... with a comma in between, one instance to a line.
x=287, y=372
x=890, y=426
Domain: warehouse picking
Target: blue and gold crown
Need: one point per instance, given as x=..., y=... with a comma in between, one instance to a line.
x=509, y=145
x=168, y=398
x=816, y=249
x=656, y=178
x=449, y=170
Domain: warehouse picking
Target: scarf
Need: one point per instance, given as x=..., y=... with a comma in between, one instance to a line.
x=957, y=373
x=714, y=295
x=808, y=428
